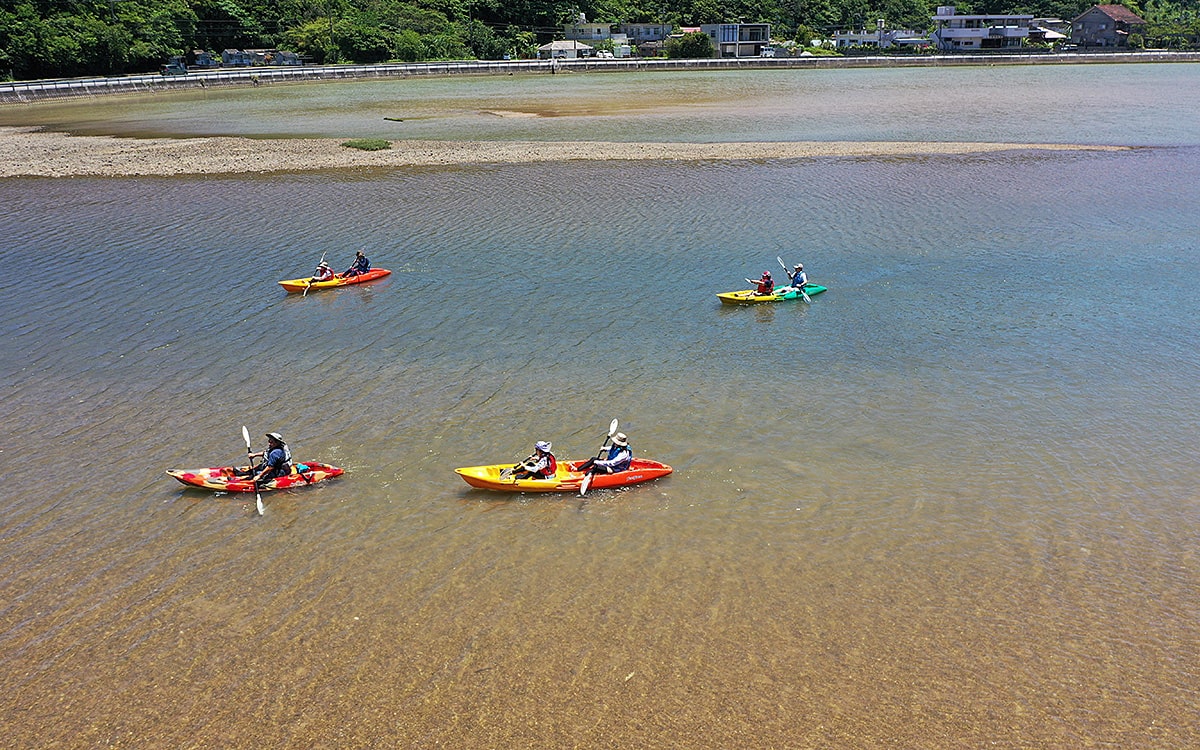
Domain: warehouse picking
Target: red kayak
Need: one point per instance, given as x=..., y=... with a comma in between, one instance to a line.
x=230, y=479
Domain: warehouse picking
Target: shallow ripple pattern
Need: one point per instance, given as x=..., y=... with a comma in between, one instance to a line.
x=949, y=503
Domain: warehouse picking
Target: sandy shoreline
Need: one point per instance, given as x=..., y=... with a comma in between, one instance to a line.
x=27, y=152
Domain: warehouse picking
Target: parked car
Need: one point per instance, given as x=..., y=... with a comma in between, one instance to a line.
x=767, y=52
x=605, y=54
x=173, y=68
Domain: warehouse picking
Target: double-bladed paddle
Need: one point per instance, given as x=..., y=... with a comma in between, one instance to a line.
x=798, y=289
x=257, y=494
x=587, y=478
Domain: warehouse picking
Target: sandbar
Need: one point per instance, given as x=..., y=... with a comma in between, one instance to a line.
x=30, y=152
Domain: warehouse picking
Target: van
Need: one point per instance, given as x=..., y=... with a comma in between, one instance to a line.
x=767, y=52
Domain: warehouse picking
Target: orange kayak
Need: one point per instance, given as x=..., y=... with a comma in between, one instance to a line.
x=566, y=479
x=300, y=285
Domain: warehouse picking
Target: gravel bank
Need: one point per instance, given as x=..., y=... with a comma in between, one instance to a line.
x=29, y=152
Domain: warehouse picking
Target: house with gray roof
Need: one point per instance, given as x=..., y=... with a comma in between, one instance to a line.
x=1105, y=26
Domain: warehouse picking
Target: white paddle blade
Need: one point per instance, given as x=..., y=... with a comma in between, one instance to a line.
x=246, y=436
x=612, y=428
x=583, y=486
x=258, y=497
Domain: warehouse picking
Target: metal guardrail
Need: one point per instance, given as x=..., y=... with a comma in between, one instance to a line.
x=26, y=91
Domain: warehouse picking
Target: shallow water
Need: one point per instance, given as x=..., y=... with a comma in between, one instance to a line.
x=949, y=503
x=1133, y=105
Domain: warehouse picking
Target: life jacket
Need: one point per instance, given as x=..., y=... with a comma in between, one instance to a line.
x=766, y=286
x=286, y=467
x=621, y=457
x=552, y=466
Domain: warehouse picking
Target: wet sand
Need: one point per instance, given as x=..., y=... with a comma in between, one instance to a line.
x=31, y=153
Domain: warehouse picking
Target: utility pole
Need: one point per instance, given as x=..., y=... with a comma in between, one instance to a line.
x=332, y=43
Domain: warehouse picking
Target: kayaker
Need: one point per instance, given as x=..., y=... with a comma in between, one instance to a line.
x=798, y=278
x=540, y=465
x=765, y=285
x=277, y=460
x=361, y=265
x=323, y=272
x=620, y=455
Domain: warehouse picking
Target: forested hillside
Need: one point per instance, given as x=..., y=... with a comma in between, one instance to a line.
x=61, y=38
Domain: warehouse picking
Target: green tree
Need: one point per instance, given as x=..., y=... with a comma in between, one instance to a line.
x=407, y=46
x=695, y=44
x=360, y=40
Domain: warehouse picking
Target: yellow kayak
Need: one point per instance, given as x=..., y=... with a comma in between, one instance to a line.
x=305, y=284
x=565, y=479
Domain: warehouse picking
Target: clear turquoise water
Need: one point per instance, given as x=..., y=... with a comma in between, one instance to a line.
x=950, y=503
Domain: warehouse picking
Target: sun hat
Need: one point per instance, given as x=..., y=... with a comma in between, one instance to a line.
x=799, y=265
x=275, y=436
x=620, y=439
x=542, y=445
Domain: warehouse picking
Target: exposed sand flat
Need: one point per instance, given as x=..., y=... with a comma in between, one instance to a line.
x=28, y=152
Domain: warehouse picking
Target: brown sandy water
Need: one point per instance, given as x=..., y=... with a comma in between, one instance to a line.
x=949, y=504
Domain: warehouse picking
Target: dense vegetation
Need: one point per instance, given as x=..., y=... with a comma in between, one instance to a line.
x=60, y=38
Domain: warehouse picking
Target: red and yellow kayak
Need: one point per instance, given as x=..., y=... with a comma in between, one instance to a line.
x=226, y=478
x=566, y=479
x=300, y=285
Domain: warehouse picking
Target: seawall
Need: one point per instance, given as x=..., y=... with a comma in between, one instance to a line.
x=29, y=91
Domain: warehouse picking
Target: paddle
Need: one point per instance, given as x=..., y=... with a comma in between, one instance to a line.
x=587, y=478
x=798, y=288
x=506, y=473
x=309, y=285
x=257, y=494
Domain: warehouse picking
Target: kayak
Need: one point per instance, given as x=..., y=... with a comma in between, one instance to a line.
x=566, y=479
x=299, y=285
x=750, y=297
x=224, y=478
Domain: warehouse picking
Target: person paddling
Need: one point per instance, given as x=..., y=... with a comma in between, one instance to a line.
x=323, y=272
x=766, y=285
x=361, y=265
x=540, y=465
x=620, y=455
x=798, y=278
x=277, y=460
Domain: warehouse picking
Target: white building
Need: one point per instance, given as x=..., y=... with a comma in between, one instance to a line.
x=881, y=37
x=645, y=32
x=978, y=32
x=596, y=32
x=584, y=31
x=564, y=49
